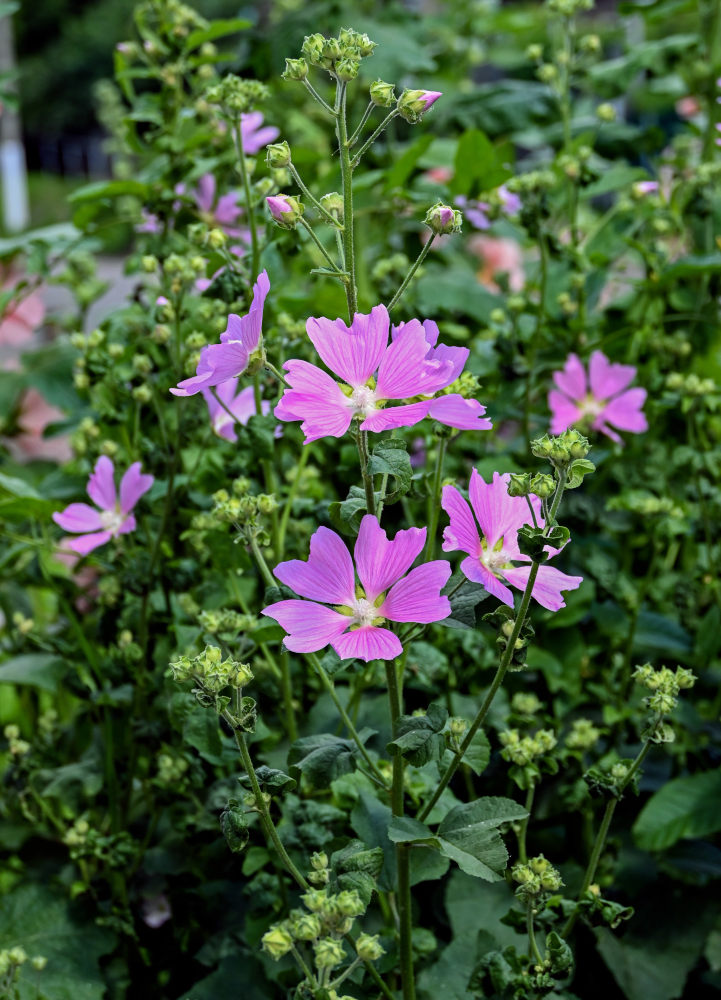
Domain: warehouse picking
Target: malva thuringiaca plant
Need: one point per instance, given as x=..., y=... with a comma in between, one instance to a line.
x=345, y=685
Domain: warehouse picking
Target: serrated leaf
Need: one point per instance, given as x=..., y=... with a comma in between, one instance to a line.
x=464, y=601
x=478, y=753
x=469, y=836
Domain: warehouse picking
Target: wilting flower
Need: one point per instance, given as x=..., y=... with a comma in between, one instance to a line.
x=241, y=405
x=114, y=515
x=598, y=401
x=375, y=373
x=493, y=550
x=229, y=358
x=499, y=256
x=255, y=135
x=354, y=624
x=35, y=416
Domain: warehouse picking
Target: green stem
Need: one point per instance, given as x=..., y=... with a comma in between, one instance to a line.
x=402, y=850
x=413, y=268
x=366, y=115
x=340, y=273
x=292, y=493
x=535, y=953
x=346, y=170
x=435, y=501
x=255, y=249
x=277, y=374
x=312, y=199
x=262, y=805
x=268, y=473
x=312, y=982
x=347, y=722
x=367, y=478
x=316, y=97
x=260, y=560
x=522, y=853
x=369, y=142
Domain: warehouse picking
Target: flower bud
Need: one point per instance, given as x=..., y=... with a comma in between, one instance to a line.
x=312, y=48
x=442, y=219
x=606, y=113
x=382, y=94
x=315, y=899
x=285, y=210
x=277, y=942
x=349, y=903
x=412, y=104
x=328, y=953
x=534, y=52
x=333, y=203
x=519, y=484
x=307, y=926
x=18, y=955
x=319, y=860
x=149, y=263
x=369, y=947
x=346, y=69
x=331, y=51
x=543, y=486
x=457, y=726
x=38, y=962
x=295, y=69
x=277, y=155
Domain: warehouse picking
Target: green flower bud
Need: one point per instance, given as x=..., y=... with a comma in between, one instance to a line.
x=319, y=860
x=382, y=94
x=346, y=69
x=312, y=48
x=534, y=52
x=38, y=962
x=442, y=219
x=369, y=947
x=142, y=393
x=412, y=104
x=315, y=899
x=349, y=903
x=331, y=51
x=457, y=726
x=277, y=942
x=216, y=239
x=606, y=113
x=295, y=69
x=543, y=486
x=306, y=926
x=18, y=955
x=519, y=484
x=328, y=953
x=333, y=203
x=277, y=155
x=547, y=73
x=149, y=263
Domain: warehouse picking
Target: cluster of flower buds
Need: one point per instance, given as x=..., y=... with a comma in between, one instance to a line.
x=665, y=686
x=562, y=449
x=319, y=873
x=535, y=878
x=442, y=220
x=583, y=736
x=242, y=509
x=211, y=671
x=236, y=96
x=171, y=770
x=644, y=503
x=523, y=484
x=17, y=746
x=224, y=620
x=526, y=704
x=11, y=959
x=690, y=385
x=523, y=750
x=341, y=56
x=466, y=385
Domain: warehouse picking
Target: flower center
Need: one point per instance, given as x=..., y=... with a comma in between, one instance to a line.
x=591, y=407
x=363, y=400
x=364, y=612
x=495, y=559
x=111, y=520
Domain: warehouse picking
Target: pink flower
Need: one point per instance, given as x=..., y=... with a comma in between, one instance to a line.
x=149, y=222
x=278, y=205
x=641, y=188
x=687, y=107
x=114, y=514
x=241, y=405
x=493, y=550
x=429, y=97
x=353, y=626
x=229, y=358
x=224, y=213
x=375, y=373
x=499, y=256
x=22, y=315
x=599, y=401
x=510, y=201
x=474, y=212
x=255, y=135
x=36, y=414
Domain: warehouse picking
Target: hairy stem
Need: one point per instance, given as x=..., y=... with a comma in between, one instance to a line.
x=346, y=170
x=434, y=504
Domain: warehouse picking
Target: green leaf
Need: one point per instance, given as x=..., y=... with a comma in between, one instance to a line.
x=201, y=731
x=478, y=753
x=406, y=830
x=357, y=867
x=323, y=757
x=464, y=602
x=420, y=738
x=685, y=807
x=469, y=836
x=405, y=164
x=234, y=826
x=216, y=29
x=347, y=514
x=390, y=458
x=476, y=164
x=271, y=777
x=40, y=670
x=44, y=923
x=577, y=470
x=109, y=189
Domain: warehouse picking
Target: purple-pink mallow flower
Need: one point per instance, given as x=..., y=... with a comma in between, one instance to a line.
x=229, y=358
x=278, y=205
x=376, y=373
x=241, y=405
x=598, y=401
x=493, y=550
x=353, y=626
x=223, y=213
x=114, y=514
x=255, y=135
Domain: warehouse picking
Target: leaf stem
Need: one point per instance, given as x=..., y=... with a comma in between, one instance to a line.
x=369, y=142
x=412, y=270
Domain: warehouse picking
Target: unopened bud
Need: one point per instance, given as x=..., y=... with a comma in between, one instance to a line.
x=442, y=219
x=285, y=210
x=295, y=69
x=277, y=155
x=413, y=104
x=382, y=94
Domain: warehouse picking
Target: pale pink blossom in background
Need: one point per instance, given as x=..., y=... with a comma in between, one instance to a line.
x=493, y=550
x=353, y=624
x=112, y=514
x=498, y=256
x=255, y=135
x=599, y=399
x=687, y=107
x=241, y=405
x=23, y=315
x=35, y=415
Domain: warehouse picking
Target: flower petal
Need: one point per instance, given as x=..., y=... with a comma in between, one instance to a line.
x=127, y=525
x=572, y=378
x=78, y=517
x=455, y=411
x=396, y=416
x=327, y=575
x=247, y=329
x=315, y=399
x=479, y=573
x=310, y=626
x=368, y=643
x=101, y=485
x=83, y=544
x=417, y=597
x=132, y=486
x=625, y=411
x=381, y=562
x=462, y=532
x=548, y=586
x=563, y=412
x=403, y=371
x=606, y=378
x=352, y=353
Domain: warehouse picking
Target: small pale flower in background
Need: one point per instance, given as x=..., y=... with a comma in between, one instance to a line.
x=35, y=416
x=498, y=256
x=599, y=400
x=241, y=405
x=221, y=362
x=156, y=910
x=493, y=550
x=374, y=373
x=112, y=514
x=353, y=625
